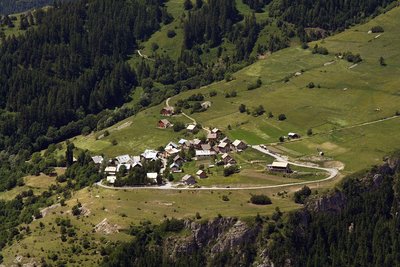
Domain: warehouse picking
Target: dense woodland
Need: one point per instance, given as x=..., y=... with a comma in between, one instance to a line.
x=15, y=6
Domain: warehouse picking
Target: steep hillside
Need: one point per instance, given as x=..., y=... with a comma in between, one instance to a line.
x=345, y=96
x=355, y=225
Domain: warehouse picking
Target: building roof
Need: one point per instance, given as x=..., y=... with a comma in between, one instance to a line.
x=152, y=175
x=279, y=164
x=212, y=136
x=97, y=159
x=206, y=104
x=150, y=154
x=165, y=121
x=186, y=177
x=171, y=144
x=206, y=147
x=204, y=153
x=191, y=127
x=172, y=151
x=225, y=140
x=182, y=141
x=170, y=108
x=237, y=142
x=222, y=144
x=224, y=156
x=135, y=158
x=110, y=169
x=177, y=157
x=199, y=172
x=293, y=134
x=215, y=130
x=111, y=179
x=174, y=164
x=123, y=158
x=196, y=141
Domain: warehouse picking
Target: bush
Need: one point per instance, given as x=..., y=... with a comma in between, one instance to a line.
x=350, y=57
x=260, y=200
x=114, y=142
x=179, y=126
x=171, y=34
x=85, y=130
x=225, y=198
x=301, y=195
x=282, y=117
x=281, y=139
x=172, y=225
x=255, y=85
x=213, y=93
x=311, y=85
x=309, y=132
x=320, y=50
x=230, y=170
x=377, y=29
x=305, y=46
x=242, y=108
x=106, y=133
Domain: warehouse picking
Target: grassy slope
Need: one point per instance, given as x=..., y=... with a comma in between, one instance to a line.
x=369, y=86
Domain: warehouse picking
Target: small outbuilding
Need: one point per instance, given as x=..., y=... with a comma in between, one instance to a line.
x=188, y=179
x=278, y=166
x=167, y=111
x=201, y=174
x=164, y=124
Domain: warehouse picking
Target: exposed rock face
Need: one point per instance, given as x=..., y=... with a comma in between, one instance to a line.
x=334, y=202
x=213, y=237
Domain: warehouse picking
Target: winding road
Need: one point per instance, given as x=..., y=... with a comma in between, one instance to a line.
x=332, y=174
x=187, y=116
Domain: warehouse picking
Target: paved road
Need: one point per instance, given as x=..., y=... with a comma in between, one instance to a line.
x=332, y=174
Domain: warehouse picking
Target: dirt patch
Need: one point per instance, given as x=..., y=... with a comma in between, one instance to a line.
x=50, y=209
x=107, y=228
x=334, y=164
x=124, y=125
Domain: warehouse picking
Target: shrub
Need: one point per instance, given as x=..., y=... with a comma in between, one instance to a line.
x=310, y=85
x=230, y=170
x=178, y=126
x=282, y=117
x=305, y=46
x=242, y=108
x=114, y=142
x=309, y=132
x=213, y=93
x=258, y=111
x=350, y=57
x=301, y=195
x=106, y=133
x=225, y=198
x=85, y=130
x=377, y=29
x=382, y=61
x=281, y=139
x=255, y=85
x=260, y=200
x=154, y=47
x=171, y=34
x=320, y=50
x=172, y=225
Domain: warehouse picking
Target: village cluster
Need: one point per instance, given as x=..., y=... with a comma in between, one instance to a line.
x=216, y=147
x=215, y=144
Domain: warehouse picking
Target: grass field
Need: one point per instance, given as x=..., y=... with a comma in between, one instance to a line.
x=37, y=184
